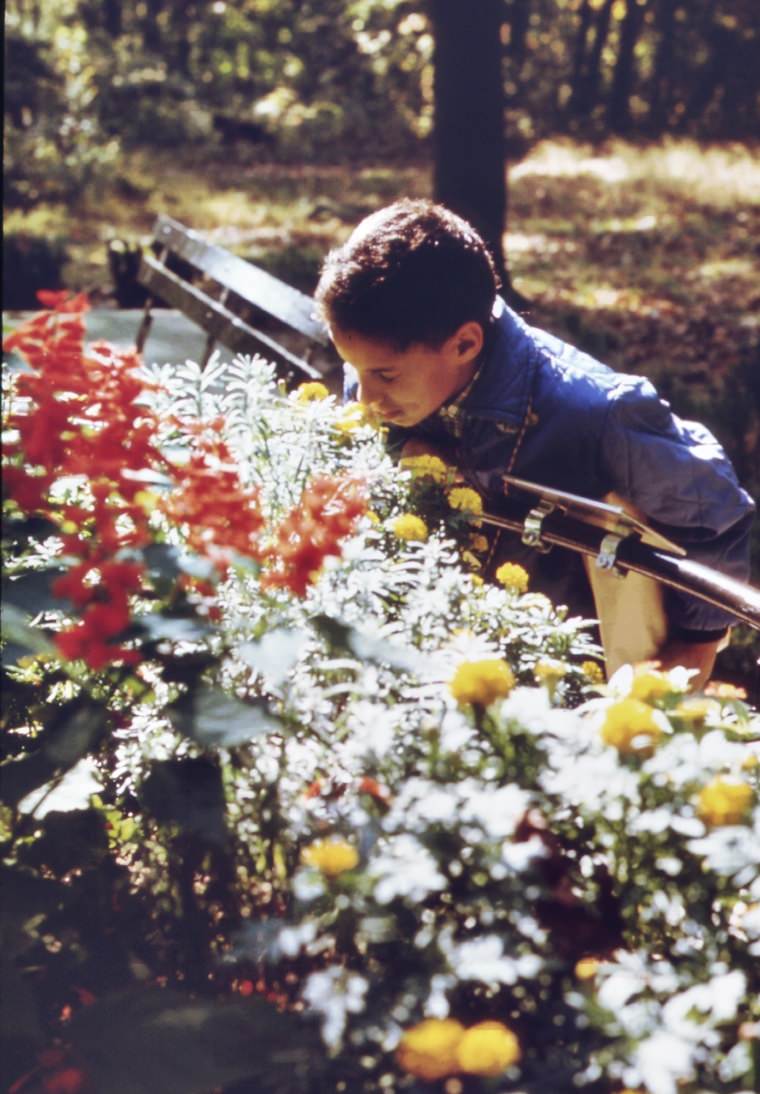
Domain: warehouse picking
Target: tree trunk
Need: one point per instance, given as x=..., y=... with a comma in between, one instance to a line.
x=112, y=17
x=659, y=103
x=619, y=107
x=151, y=31
x=468, y=134
x=579, y=56
x=723, y=54
x=588, y=92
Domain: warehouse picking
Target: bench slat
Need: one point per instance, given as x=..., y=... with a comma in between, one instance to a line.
x=218, y=321
x=256, y=286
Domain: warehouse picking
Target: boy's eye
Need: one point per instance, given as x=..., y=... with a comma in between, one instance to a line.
x=386, y=377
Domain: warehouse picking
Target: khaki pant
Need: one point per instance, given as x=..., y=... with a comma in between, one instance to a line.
x=632, y=619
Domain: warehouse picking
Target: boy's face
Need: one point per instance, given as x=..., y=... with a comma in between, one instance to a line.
x=405, y=386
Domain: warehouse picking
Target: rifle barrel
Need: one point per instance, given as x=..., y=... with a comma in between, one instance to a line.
x=559, y=529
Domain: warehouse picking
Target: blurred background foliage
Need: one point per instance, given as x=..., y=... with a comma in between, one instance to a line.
x=340, y=79
x=274, y=125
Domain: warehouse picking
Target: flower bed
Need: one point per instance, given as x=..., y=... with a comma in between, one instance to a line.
x=293, y=800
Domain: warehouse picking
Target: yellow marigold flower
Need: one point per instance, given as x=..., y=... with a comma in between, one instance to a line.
x=488, y=1048
x=351, y=418
x=409, y=526
x=466, y=500
x=649, y=684
x=331, y=856
x=310, y=392
x=721, y=690
x=549, y=670
x=513, y=577
x=147, y=500
x=428, y=1050
x=586, y=968
x=425, y=467
x=724, y=801
x=628, y=720
x=593, y=672
x=482, y=681
x=470, y=559
x=697, y=709
x=750, y=762
x=478, y=542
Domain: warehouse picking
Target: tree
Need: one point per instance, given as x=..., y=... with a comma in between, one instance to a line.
x=618, y=107
x=468, y=132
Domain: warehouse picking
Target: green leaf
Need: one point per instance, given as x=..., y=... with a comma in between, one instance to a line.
x=26, y=896
x=149, y=1041
x=20, y=637
x=32, y=591
x=366, y=646
x=162, y=561
x=218, y=720
x=76, y=728
x=188, y=792
x=165, y=628
x=275, y=654
x=68, y=840
x=19, y=530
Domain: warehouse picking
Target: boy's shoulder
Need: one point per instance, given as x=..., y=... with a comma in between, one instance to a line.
x=525, y=363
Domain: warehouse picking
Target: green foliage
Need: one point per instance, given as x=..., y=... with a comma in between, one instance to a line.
x=282, y=815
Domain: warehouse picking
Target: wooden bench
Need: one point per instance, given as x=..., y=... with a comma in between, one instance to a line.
x=239, y=305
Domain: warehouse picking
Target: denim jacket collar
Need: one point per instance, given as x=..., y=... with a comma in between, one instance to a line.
x=501, y=392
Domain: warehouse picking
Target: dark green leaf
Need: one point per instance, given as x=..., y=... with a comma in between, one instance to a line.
x=74, y=730
x=162, y=561
x=275, y=654
x=21, y=636
x=161, y=627
x=18, y=531
x=148, y=1041
x=69, y=839
x=197, y=567
x=26, y=896
x=366, y=646
x=32, y=591
x=188, y=792
x=218, y=720
x=20, y=776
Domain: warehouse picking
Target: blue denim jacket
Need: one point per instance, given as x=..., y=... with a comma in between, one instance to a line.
x=552, y=414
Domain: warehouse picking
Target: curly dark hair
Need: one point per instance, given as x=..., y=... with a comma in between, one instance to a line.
x=411, y=272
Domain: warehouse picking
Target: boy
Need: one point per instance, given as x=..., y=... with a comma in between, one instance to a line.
x=411, y=303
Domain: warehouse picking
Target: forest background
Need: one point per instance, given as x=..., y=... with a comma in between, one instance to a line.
x=274, y=126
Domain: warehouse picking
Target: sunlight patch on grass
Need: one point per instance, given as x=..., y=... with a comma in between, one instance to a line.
x=538, y=243
x=723, y=175
x=646, y=222
x=723, y=269
x=45, y=220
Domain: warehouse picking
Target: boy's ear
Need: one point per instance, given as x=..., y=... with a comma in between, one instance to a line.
x=466, y=342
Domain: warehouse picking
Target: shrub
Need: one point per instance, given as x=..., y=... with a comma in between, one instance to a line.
x=261, y=828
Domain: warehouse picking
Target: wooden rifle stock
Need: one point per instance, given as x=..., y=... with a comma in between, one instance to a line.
x=564, y=530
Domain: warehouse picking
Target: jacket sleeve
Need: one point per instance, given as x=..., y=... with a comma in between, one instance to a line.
x=679, y=476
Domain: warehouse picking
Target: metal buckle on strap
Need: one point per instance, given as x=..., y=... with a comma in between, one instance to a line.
x=533, y=525
x=607, y=558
